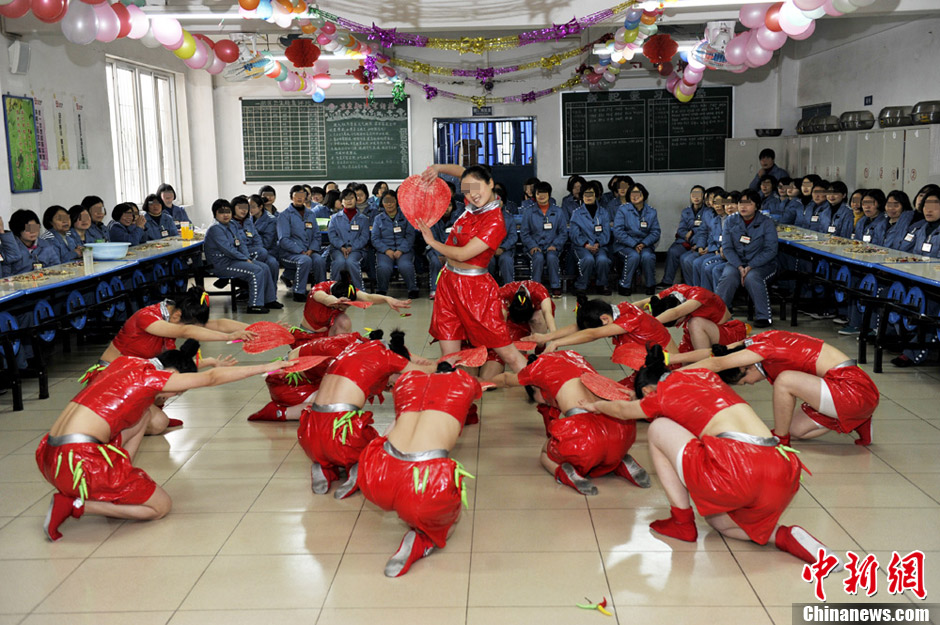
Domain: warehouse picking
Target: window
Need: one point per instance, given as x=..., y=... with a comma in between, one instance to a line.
x=502, y=141
x=143, y=129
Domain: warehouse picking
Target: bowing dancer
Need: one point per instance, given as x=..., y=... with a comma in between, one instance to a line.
x=702, y=315
x=155, y=329
x=326, y=304
x=409, y=469
x=335, y=429
x=596, y=319
x=529, y=309
x=581, y=444
x=88, y=453
x=708, y=444
x=836, y=394
x=468, y=306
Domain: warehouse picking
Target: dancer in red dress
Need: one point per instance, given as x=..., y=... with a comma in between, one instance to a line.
x=325, y=309
x=581, y=444
x=707, y=443
x=335, y=429
x=529, y=309
x=836, y=394
x=408, y=470
x=702, y=315
x=467, y=305
x=87, y=454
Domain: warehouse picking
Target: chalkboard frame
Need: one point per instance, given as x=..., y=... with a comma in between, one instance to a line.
x=651, y=94
x=301, y=176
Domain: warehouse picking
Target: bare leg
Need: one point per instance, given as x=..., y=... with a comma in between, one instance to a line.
x=158, y=421
x=666, y=438
x=512, y=357
x=788, y=387
x=156, y=507
x=703, y=333
x=449, y=347
x=727, y=527
x=341, y=325
x=293, y=412
x=491, y=368
x=550, y=465
x=804, y=427
x=132, y=436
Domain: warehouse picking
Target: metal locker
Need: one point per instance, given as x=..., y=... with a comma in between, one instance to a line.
x=892, y=158
x=917, y=160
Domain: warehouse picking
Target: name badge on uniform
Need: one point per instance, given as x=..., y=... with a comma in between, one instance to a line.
x=866, y=238
x=643, y=224
x=177, y=224
x=831, y=229
x=598, y=228
x=814, y=218
x=163, y=233
x=909, y=237
x=448, y=230
x=547, y=225
x=308, y=225
x=745, y=239
x=396, y=229
x=237, y=242
x=720, y=237
x=354, y=227
x=37, y=266
x=926, y=247
x=697, y=222
x=249, y=234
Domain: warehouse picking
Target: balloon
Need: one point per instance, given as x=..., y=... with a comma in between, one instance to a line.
x=772, y=19
x=628, y=54
x=188, y=49
x=286, y=85
x=648, y=18
x=808, y=5
x=806, y=33
x=692, y=76
x=682, y=97
x=323, y=39
x=283, y=74
x=695, y=63
x=284, y=20
x=648, y=30
x=15, y=9
x=630, y=36
x=683, y=87
x=124, y=18
x=217, y=66
x=633, y=15
x=140, y=25
x=149, y=40
x=167, y=31
x=792, y=17
x=843, y=6
x=264, y=10
x=752, y=15
x=300, y=8
x=200, y=56
x=389, y=71
x=815, y=14
x=830, y=9
x=665, y=69
x=756, y=54
x=308, y=28
x=319, y=96
x=248, y=5
x=862, y=3
x=770, y=40
x=323, y=80
x=671, y=83
x=618, y=36
x=80, y=25
x=736, y=50
x=328, y=28
x=108, y=23
x=227, y=50
x=50, y=11
x=94, y=1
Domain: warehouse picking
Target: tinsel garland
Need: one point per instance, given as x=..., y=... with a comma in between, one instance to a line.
x=431, y=92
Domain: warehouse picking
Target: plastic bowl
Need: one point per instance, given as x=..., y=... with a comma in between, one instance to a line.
x=108, y=251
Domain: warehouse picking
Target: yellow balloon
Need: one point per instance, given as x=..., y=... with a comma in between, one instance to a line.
x=188, y=48
x=683, y=97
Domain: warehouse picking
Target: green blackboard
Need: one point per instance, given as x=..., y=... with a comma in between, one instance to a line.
x=644, y=131
x=298, y=140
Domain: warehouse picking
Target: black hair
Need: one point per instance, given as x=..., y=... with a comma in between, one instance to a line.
x=614, y=182
x=294, y=189
x=785, y=181
x=859, y=192
x=877, y=195
x=191, y=306
x=543, y=187
x=752, y=195
x=480, y=172
x=20, y=218
x=767, y=153
x=445, y=367
x=821, y=184
x=49, y=214
x=652, y=370
x=378, y=185
x=90, y=200
x=521, y=308
x=531, y=181
x=165, y=187
x=120, y=209
x=596, y=186
x=698, y=186
x=346, y=193
x=318, y=190
x=733, y=196
x=75, y=213
x=308, y=189
x=813, y=178
x=769, y=177
x=219, y=204
x=266, y=189
x=238, y=199
x=376, y=335
x=838, y=186
x=329, y=200
x=396, y=343
x=500, y=192
x=182, y=358
x=590, y=311
x=659, y=305
x=628, y=179
x=574, y=179
x=153, y=197
x=927, y=189
x=716, y=190
x=344, y=286
x=729, y=376
x=529, y=389
x=330, y=182
x=390, y=192
x=642, y=189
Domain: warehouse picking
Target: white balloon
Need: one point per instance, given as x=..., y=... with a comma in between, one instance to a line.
x=793, y=15
x=815, y=14
x=149, y=40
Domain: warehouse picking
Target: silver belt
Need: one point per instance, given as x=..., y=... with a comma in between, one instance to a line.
x=418, y=456
x=71, y=439
x=851, y=362
x=335, y=407
x=476, y=271
x=573, y=411
x=752, y=439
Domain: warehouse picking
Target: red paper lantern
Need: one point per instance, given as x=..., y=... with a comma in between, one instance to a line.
x=660, y=49
x=302, y=53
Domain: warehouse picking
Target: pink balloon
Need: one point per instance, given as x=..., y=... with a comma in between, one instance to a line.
x=756, y=54
x=692, y=76
x=15, y=9
x=108, y=23
x=736, y=50
x=217, y=66
x=807, y=33
x=770, y=40
x=167, y=31
x=329, y=28
x=139, y=22
x=200, y=57
x=752, y=15
x=686, y=88
x=831, y=10
x=808, y=5
x=323, y=39
x=671, y=82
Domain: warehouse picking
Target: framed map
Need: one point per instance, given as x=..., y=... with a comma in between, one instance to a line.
x=19, y=115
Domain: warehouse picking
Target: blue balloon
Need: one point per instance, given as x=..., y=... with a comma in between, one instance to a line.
x=604, y=60
x=629, y=25
x=318, y=95
x=634, y=15
x=684, y=56
x=264, y=10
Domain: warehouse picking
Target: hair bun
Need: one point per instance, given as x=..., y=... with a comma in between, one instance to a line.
x=581, y=299
x=445, y=367
x=376, y=335
x=189, y=348
x=654, y=356
x=719, y=350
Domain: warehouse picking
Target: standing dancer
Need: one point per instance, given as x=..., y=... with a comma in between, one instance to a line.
x=467, y=304
x=580, y=443
x=702, y=315
x=88, y=453
x=408, y=470
x=706, y=442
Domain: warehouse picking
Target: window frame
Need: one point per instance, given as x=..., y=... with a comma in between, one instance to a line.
x=440, y=122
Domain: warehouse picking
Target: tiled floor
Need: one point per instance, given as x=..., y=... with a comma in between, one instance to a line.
x=247, y=542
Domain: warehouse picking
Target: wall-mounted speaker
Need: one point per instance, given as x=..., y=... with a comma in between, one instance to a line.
x=19, y=57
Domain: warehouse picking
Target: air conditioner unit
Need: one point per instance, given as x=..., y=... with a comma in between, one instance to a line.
x=19, y=57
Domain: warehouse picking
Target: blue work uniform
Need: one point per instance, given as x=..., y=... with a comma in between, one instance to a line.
x=395, y=234
x=127, y=234
x=160, y=227
x=776, y=172
x=266, y=226
x=689, y=221
x=178, y=214
x=585, y=229
x=752, y=245
x=298, y=232
x=64, y=244
x=19, y=259
x=97, y=233
x=226, y=249
x=502, y=265
x=896, y=233
x=256, y=249
x=632, y=227
x=871, y=230
x=352, y=233
x=543, y=231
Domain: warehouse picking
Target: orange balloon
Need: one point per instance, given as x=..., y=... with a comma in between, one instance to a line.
x=249, y=5
x=308, y=29
x=301, y=7
x=275, y=71
x=286, y=5
x=648, y=18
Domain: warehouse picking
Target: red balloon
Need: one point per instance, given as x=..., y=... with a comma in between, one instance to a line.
x=94, y=1
x=772, y=19
x=49, y=11
x=226, y=51
x=123, y=15
x=665, y=69
x=17, y=8
x=205, y=40
x=422, y=201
